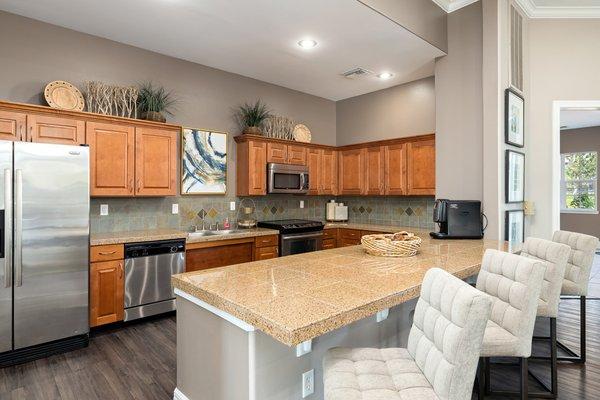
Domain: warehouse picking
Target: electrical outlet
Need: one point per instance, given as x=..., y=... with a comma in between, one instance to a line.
x=308, y=383
x=175, y=208
x=301, y=203
x=103, y=209
x=232, y=206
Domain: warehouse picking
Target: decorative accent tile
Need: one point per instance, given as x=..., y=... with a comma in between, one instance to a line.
x=202, y=214
x=265, y=210
x=280, y=210
x=369, y=210
x=400, y=210
x=354, y=209
x=213, y=213
x=409, y=211
x=273, y=210
x=419, y=211
x=361, y=209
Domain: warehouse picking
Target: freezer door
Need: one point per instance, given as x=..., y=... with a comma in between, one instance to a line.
x=6, y=152
x=51, y=239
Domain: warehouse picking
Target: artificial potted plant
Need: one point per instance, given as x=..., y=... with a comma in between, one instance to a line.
x=252, y=116
x=154, y=102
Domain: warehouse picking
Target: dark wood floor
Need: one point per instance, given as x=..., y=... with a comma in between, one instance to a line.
x=137, y=361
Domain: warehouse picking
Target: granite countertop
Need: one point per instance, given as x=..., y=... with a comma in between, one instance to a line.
x=300, y=297
x=370, y=227
x=98, y=239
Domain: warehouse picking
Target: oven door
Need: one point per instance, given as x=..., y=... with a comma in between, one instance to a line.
x=283, y=178
x=297, y=243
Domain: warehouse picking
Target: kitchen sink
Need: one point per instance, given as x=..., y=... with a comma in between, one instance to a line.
x=213, y=233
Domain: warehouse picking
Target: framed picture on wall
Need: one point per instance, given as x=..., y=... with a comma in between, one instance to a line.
x=203, y=162
x=514, y=179
x=514, y=227
x=514, y=118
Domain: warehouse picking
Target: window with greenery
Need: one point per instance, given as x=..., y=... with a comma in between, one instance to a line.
x=579, y=181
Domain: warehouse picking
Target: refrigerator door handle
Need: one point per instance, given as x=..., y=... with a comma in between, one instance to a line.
x=18, y=227
x=7, y=227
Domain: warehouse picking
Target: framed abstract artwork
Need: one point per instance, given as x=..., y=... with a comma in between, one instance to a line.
x=514, y=178
x=514, y=227
x=203, y=162
x=514, y=120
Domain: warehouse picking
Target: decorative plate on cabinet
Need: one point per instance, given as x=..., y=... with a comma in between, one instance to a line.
x=63, y=95
x=302, y=134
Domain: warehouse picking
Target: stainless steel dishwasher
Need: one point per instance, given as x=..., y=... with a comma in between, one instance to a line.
x=148, y=270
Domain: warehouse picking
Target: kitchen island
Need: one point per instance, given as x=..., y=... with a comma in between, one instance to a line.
x=249, y=331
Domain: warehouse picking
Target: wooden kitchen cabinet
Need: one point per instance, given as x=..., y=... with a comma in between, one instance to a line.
x=155, y=162
x=296, y=154
x=286, y=153
x=251, y=168
x=112, y=159
x=420, y=160
x=314, y=162
x=375, y=169
x=395, y=169
x=106, y=284
x=13, y=125
x=351, y=176
x=277, y=153
x=328, y=176
x=55, y=129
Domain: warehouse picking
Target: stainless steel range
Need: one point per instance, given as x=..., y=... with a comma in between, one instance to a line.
x=297, y=235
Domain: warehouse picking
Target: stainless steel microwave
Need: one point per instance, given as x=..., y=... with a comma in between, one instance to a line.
x=287, y=178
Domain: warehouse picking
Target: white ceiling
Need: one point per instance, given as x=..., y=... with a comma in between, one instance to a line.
x=255, y=38
x=574, y=119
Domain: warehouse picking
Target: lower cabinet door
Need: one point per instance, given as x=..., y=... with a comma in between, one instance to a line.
x=217, y=256
x=106, y=292
x=266, y=253
x=328, y=244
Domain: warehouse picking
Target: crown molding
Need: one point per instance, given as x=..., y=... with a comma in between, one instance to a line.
x=534, y=11
x=450, y=6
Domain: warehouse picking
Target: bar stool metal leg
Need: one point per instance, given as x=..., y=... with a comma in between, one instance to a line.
x=573, y=356
x=524, y=379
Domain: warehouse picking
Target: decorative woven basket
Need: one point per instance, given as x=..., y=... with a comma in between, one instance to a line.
x=401, y=244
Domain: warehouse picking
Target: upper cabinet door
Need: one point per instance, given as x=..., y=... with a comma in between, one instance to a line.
x=53, y=129
x=112, y=159
x=395, y=169
x=351, y=171
x=375, y=158
x=155, y=162
x=329, y=172
x=420, y=156
x=257, y=169
x=277, y=153
x=296, y=154
x=314, y=168
x=12, y=125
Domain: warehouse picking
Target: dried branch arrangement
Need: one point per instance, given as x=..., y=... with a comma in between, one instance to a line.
x=108, y=99
x=279, y=127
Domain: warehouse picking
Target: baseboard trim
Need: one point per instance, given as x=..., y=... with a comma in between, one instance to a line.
x=178, y=395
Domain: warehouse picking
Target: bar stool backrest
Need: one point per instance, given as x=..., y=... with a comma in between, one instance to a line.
x=515, y=283
x=555, y=256
x=447, y=332
x=579, y=265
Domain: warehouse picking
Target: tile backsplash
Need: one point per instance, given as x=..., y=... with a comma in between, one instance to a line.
x=152, y=213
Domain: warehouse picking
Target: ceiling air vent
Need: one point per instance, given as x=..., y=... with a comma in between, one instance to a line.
x=357, y=72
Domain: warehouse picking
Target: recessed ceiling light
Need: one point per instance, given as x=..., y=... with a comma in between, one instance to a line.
x=307, y=43
x=385, y=75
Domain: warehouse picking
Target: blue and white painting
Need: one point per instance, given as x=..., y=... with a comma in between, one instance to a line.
x=204, y=162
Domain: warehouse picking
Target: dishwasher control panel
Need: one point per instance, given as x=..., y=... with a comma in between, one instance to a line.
x=147, y=249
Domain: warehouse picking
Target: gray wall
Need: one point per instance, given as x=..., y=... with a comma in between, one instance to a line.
x=35, y=53
x=564, y=66
x=572, y=141
x=399, y=111
x=459, y=108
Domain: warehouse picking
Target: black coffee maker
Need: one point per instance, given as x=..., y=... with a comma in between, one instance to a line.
x=458, y=219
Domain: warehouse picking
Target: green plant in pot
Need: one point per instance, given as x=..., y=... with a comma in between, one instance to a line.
x=252, y=116
x=154, y=102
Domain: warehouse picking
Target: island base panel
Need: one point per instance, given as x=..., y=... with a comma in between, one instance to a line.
x=218, y=360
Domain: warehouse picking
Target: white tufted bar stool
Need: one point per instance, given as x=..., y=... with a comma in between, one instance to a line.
x=576, y=281
x=554, y=256
x=514, y=282
x=440, y=361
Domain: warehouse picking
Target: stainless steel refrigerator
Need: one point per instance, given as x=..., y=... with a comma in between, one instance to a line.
x=44, y=242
